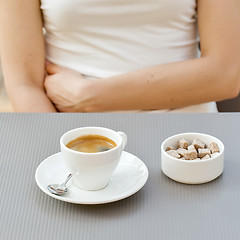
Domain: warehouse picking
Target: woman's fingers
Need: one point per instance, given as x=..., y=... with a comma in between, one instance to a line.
x=51, y=68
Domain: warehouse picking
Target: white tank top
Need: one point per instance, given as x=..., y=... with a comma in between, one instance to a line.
x=103, y=38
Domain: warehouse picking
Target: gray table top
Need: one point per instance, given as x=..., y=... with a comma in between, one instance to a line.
x=162, y=209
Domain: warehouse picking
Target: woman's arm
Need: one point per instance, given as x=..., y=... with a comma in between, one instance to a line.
x=213, y=77
x=23, y=55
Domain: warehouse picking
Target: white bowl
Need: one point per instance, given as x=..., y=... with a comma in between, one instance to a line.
x=192, y=171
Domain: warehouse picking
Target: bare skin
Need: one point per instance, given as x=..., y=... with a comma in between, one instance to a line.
x=23, y=55
x=215, y=76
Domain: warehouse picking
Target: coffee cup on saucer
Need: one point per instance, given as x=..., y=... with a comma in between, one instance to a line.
x=92, y=154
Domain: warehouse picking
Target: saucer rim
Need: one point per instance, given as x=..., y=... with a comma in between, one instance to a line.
x=95, y=202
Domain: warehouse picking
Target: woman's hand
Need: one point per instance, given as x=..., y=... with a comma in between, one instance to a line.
x=67, y=89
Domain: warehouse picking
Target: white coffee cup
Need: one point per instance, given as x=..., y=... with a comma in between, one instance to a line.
x=92, y=171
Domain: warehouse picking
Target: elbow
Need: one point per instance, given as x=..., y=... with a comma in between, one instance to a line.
x=230, y=78
x=224, y=71
x=234, y=79
x=234, y=93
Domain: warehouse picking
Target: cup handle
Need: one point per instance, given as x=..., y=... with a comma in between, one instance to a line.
x=124, y=138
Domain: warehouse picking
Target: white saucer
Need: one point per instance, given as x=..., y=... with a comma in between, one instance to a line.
x=129, y=177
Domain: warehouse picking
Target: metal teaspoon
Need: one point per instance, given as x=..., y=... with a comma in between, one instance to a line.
x=59, y=189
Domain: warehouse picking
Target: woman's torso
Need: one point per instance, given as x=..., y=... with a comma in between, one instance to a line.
x=103, y=38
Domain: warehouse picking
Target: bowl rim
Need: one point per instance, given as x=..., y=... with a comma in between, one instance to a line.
x=192, y=161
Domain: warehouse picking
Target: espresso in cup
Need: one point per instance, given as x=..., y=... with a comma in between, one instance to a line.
x=85, y=155
x=91, y=144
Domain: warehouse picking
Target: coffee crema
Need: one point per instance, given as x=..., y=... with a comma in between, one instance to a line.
x=91, y=144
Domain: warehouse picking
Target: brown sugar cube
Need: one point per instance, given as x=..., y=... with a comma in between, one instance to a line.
x=181, y=151
x=191, y=147
x=198, y=144
x=203, y=152
x=191, y=154
x=213, y=147
x=182, y=143
x=170, y=148
x=205, y=157
x=173, y=153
